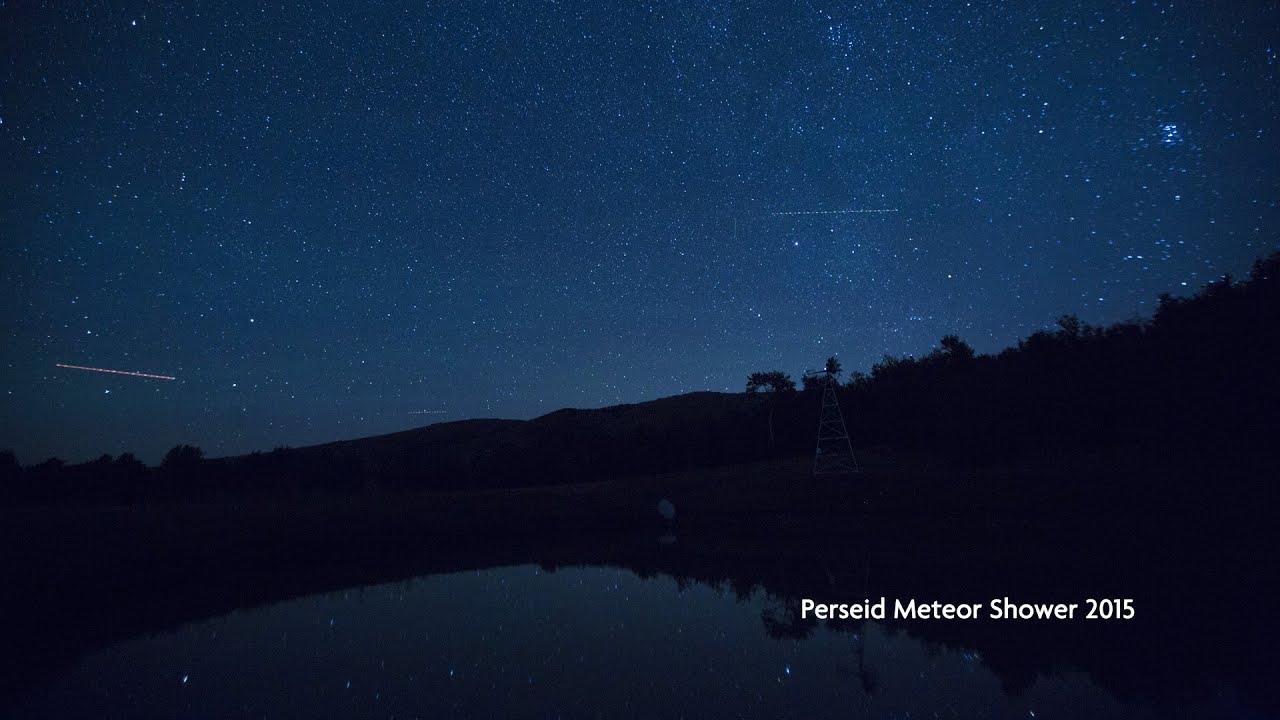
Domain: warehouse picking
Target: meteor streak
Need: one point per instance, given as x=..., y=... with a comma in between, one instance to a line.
x=832, y=212
x=117, y=372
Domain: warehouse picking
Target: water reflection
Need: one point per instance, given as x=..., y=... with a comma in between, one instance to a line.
x=520, y=641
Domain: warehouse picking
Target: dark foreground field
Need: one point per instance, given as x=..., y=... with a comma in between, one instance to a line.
x=1193, y=547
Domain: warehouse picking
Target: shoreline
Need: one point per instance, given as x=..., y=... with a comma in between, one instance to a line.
x=86, y=578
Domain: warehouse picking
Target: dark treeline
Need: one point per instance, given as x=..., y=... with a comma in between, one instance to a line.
x=696, y=430
x=1195, y=382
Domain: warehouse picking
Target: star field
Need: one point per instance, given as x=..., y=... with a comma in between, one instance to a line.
x=322, y=218
x=563, y=644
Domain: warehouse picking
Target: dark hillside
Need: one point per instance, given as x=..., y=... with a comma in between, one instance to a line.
x=1196, y=384
x=693, y=430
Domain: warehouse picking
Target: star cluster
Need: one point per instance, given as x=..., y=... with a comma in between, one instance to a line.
x=322, y=218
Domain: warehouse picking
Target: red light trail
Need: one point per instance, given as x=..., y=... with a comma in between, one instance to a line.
x=117, y=372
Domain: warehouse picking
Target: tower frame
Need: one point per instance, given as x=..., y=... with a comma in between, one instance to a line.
x=834, y=452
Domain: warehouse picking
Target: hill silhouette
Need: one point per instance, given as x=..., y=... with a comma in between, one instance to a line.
x=1195, y=381
x=1133, y=460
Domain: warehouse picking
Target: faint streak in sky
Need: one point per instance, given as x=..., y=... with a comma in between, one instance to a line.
x=427, y=412
x=832, y=212
x=117, y=372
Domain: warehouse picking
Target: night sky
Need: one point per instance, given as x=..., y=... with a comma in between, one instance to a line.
x=323, y=218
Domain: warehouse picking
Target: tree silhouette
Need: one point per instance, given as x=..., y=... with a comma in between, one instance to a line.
x=833, y=368
x=10, y=474
x=830, y=372
x=9, y=464
x=776, y=383
x=183, y=472
x=1070, y=325
x=182, y=457
x=955, y=348
x=770, y=381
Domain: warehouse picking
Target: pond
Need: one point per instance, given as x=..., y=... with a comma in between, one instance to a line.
x=523, y=641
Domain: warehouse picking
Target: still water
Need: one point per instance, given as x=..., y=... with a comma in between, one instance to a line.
x=525, y=642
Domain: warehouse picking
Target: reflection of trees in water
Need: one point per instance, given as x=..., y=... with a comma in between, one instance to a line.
x=782, y=620
x=866, y=677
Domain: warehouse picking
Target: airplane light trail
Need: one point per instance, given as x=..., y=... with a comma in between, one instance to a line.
x=117, y=372
x=427, y=412
x=832, y=212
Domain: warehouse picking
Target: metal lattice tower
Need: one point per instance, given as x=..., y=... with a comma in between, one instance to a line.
x=834, y=455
